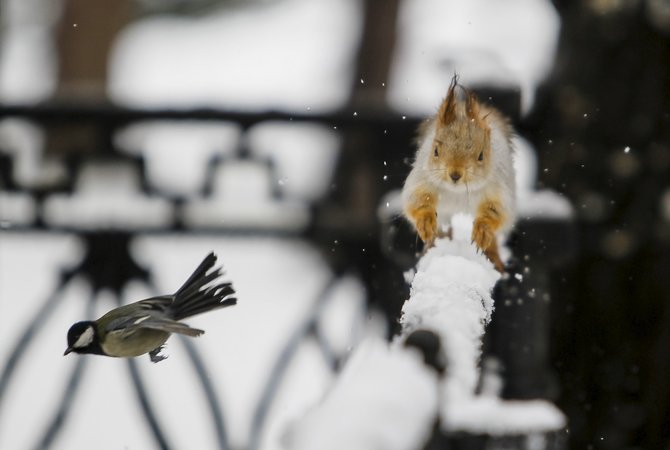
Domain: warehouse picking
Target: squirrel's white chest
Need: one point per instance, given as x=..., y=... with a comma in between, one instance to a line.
x=453, y=202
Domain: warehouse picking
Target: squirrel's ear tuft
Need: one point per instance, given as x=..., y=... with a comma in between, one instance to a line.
x=471, y=106
x=473, y=110
x=447, y=112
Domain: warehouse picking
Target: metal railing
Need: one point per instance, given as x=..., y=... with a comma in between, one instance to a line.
x=376, y=148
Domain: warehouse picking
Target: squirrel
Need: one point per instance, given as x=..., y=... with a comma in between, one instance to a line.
x=464, y=164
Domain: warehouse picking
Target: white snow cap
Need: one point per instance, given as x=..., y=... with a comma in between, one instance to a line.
x=496, y=417
x=505, y=44
x=385, y=398
x=295, y=55
x=451, y=295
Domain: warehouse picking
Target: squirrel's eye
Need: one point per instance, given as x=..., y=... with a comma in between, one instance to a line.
x=481, y=156
x=435, y=151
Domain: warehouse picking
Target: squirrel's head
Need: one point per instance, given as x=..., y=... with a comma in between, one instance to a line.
x=461, y=148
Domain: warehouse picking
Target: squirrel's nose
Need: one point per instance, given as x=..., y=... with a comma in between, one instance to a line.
x=455, y=176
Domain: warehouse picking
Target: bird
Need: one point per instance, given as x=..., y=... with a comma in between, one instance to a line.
x=144, y=326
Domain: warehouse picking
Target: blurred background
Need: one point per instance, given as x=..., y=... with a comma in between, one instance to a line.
x=138, y=135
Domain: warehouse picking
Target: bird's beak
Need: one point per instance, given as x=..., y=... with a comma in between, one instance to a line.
x=67, y=351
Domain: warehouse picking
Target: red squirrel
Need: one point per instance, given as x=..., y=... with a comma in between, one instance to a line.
x=464, y=164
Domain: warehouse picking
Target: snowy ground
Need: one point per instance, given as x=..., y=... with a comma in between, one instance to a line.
x=227, y=59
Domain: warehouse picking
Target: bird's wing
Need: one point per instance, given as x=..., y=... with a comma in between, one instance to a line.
x=152, y=322
x=160, y=303
x=168, y=325
x=127, y=315
x=150, y=316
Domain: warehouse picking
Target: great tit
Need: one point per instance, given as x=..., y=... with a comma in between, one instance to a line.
x=144, y=326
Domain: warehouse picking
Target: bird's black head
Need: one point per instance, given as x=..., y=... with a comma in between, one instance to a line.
x=82, y=337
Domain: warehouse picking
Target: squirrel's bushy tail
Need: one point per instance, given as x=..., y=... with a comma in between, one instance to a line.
x=199, y=294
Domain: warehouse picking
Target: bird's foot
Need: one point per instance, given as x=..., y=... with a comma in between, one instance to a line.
x=156, y=356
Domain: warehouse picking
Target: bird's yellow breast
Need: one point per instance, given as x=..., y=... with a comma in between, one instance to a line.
x=123, y=344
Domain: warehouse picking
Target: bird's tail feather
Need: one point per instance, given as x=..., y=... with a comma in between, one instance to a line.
x=198, y=295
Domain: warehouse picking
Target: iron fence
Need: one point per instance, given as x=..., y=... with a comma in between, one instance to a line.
x=376, y=149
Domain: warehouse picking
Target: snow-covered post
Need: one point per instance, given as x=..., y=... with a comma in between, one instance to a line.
x=451, y=296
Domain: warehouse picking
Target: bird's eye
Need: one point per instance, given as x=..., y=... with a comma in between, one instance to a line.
x=435, y=152
x=481, y=156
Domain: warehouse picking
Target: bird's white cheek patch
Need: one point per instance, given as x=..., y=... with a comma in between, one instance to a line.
x=85, y=339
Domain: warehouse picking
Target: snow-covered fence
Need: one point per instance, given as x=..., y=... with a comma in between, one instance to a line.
x=388, y=396
x=350, y=242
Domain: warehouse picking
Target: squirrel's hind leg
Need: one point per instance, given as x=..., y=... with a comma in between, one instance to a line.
x=494, y=256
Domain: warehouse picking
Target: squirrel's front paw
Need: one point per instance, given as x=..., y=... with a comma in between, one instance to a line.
x=482, y=235
x=485, y=238
x=426, y=226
